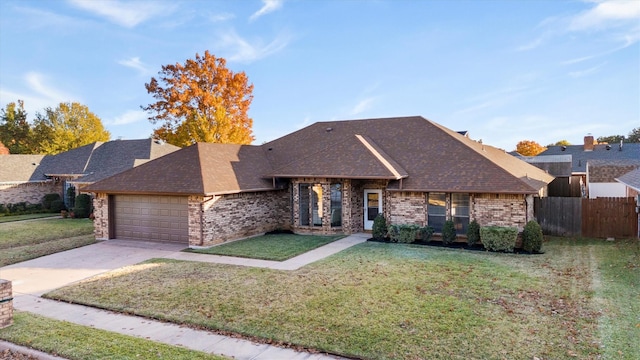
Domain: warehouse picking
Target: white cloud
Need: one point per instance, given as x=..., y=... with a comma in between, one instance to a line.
x=127, y=14
x=267, y=7
x=129, y=117
x=221, y=17
x=38, y=95
x=244, y=51
x=606, y=14
x=362, y=106
x=136, y=64
x=583, y=73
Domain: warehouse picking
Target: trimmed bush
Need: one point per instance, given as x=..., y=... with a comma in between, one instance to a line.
x=498, y=238
x=394, y=232
x=48, y=199
x=473, y=233
x=57, y=206
x=379, y=227
x=83, y=206
x=532, y=237
x=408, y=233
x=426, y=233
x=448, y=232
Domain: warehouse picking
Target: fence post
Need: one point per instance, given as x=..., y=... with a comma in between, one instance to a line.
x=6, y=304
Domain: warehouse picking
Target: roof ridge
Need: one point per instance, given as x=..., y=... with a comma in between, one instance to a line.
x=473, y=146
x=380, y=155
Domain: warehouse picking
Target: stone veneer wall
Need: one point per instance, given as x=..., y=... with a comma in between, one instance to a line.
x=235, y=216
x=6, y=304
x=500, y=210
x=31, y=192
x=101, y=214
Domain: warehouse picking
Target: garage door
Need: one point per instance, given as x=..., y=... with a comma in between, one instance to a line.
x=151, y=218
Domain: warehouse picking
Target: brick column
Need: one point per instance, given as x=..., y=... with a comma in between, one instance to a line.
x=6, y=304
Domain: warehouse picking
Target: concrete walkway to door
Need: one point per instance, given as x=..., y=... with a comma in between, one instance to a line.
x=35, y=277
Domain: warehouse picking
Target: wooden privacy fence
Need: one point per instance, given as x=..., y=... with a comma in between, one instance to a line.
x=600, y=217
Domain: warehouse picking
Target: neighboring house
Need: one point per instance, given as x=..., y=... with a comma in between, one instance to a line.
x=589, y=152
x=558, y=166
x=631, y=181
x=27, y=178
x=602, y=174
x=330, y=177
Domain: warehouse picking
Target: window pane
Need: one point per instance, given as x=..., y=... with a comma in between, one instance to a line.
x=336, y=205
x=436, y=209
x=373, y=204
x=460, y=212
x=316, y=204
x=304, y=204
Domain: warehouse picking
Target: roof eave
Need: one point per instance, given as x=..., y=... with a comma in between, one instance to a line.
x=337, y=176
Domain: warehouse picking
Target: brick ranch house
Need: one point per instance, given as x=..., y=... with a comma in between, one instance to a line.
x=330, y=177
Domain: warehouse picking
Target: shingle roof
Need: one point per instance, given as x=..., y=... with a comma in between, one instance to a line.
x=87, y=163
x=580, y=157
x=631, y=179
x=434, y=158
x=200, y=169
x=412, y=152
x=556, y=165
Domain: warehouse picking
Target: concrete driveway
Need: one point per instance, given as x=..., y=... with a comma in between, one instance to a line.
x=41, y=275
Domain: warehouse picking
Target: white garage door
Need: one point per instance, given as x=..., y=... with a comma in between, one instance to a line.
x=151, y=218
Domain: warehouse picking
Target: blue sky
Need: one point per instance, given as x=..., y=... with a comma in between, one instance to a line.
x=504, y=70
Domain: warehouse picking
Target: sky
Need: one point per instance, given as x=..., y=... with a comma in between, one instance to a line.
x=505, y=71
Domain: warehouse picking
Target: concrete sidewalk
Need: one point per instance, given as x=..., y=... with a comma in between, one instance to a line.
x=35, y=277
x=291, y=264
x=167, y=333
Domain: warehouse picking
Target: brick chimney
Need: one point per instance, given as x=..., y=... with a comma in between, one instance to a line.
x=589, y=142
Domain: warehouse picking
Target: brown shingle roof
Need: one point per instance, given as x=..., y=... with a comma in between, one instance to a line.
x=434, y=157
x=412, y=152
x=201, y=169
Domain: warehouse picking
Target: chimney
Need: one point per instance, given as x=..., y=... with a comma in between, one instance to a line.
x=588, y=143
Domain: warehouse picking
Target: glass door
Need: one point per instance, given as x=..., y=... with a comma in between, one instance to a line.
x=372, y=207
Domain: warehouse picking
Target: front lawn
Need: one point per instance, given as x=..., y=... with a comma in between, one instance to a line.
x=277, y=247
x=395, y=301
x=76, y=342
x=11, y=218
x=25, y=240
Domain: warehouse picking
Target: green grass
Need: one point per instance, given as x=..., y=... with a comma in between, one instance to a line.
x=24, y=240
x=395, y=301
x=84, y=343
x=11, y=218
x=277, y=247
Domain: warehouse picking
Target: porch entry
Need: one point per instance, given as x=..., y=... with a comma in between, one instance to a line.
x=372, y=207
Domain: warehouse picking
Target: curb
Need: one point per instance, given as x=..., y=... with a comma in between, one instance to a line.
x=4, y=345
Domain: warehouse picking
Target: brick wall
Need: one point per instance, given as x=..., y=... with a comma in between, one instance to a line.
x=101, y=214
x=231, y=217
x=607, y=173
x=32, y=192
x=6, y=305
x=407, y=208
x=499, y=210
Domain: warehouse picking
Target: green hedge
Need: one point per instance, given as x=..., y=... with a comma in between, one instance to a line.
x=403, y=233
x=473, y=233
x=532, y=237
x=83, y=206
x=448, y=232
x=379, y=227
x=498, y=238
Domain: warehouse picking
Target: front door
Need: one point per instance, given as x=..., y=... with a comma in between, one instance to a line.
x=372, y=207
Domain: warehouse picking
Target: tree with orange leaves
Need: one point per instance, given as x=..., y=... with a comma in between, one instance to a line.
x=529, y=148
x=201, y=101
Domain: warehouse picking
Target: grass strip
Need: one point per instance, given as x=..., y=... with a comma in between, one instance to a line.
x=23, y=233
x=276, y=247
x=619, y=292
x=11, y=218
x=27, y=252
x=378, y=301
x=76, y=342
